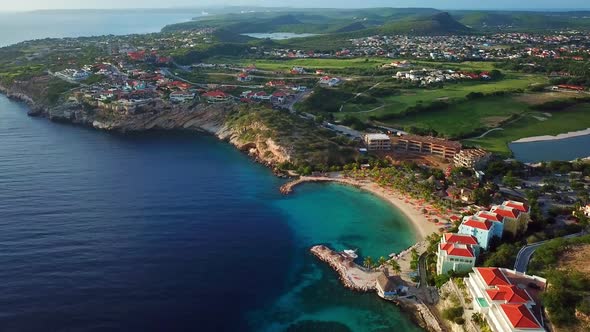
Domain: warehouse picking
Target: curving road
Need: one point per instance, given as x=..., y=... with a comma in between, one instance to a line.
x=524, y=255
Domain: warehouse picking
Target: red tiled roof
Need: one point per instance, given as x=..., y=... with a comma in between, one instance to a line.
x=457, y=250
x=492, y=216
x=510, y=294
x=517, y=205
x=460, y=238
x=485, y=225
x=507, y=212
x=520, y=316
x=215, y=94
x=492, y=276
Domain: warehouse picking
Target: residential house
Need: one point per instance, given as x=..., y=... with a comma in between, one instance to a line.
x=243, y=77
x=456, y=252
x=216, y=96
x=182, y=96
x=506, y=299
x=325, y=80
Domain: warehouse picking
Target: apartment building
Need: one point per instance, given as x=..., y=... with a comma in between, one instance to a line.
x=427, y=145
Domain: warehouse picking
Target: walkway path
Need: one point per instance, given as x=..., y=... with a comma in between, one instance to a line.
x=487, y=132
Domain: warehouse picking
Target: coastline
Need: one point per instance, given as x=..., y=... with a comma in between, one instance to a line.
x=553, y=138
x=417, y=220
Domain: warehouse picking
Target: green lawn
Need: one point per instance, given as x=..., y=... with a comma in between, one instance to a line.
x=463, y=118
x=325, y=64
x=575, y=118
x=410, y=97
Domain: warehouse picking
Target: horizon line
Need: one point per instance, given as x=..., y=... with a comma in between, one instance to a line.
x=291, y=7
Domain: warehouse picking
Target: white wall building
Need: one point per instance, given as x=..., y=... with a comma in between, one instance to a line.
x=504, y=297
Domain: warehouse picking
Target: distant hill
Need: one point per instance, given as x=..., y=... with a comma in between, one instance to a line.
x=493, y=20
x=356, y=26
x=437, y=24
x=362, y=22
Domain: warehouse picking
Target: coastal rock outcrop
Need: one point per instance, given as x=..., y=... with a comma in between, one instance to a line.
x=159, y=115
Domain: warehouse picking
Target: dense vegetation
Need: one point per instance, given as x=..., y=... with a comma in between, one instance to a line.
x=567, y=289
x=312, y=148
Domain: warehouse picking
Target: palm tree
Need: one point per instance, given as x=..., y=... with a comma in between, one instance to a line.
x=382, y=261
x=368, y=262
x=395, y=266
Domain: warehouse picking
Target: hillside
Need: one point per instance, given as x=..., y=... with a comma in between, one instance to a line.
x=523, y=20
x=437, y=24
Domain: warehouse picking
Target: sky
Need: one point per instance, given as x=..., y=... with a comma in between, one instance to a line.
x=20, y=5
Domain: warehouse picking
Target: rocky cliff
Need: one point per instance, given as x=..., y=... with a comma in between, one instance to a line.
x=209, y=118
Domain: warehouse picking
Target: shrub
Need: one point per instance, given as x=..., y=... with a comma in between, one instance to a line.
x=452, y=313
x=459, y=320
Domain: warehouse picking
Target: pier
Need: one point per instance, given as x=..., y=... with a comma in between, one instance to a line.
x=352, y=275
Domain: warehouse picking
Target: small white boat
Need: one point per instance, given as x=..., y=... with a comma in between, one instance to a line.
x=351, y=253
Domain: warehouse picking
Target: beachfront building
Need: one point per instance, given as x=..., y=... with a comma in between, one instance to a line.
x=386, y=286
x=377, y=142
x=456, y=252
x=427, y=145
x=515, y=216
x=480, y=228
x=472, y=158
x=506, y=299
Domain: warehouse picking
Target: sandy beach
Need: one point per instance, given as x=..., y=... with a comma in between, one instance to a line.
x=419, y=221
x=556, y=137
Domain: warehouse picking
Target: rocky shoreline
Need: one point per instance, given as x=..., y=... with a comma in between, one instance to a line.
x=205, y=118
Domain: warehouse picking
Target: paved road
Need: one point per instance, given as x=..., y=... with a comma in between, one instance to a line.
x=524, y=255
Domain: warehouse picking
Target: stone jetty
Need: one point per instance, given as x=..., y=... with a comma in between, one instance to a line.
x=351, y=275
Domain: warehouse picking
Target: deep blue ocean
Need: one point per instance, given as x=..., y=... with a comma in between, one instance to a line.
x=169, y=231
x=172, y=232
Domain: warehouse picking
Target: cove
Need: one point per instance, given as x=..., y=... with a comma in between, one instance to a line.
x=173, y=231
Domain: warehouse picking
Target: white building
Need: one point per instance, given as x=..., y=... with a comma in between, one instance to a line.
x=472, y=158
x=377, y=142
x=504, y=297
x=181, y=96
x=456, y=252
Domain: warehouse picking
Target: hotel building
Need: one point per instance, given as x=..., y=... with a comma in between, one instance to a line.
x=377, y=142
x=427, y=145
x=506, y=299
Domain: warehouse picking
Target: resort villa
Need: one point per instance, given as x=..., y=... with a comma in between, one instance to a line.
x=457, y=252
x=427, y=145
x=507, y=299
x=515, y=216
x=377, y=142
x=480, y=228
